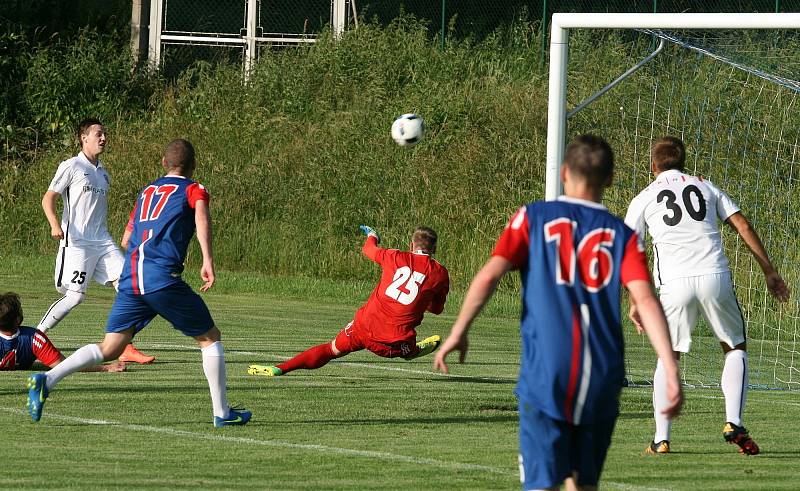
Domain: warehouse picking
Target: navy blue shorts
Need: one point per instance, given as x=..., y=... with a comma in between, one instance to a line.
x=177, y=303
x=551, y=450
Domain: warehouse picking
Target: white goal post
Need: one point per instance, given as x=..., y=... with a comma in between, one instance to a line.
x=729, y=86
x=559, y=50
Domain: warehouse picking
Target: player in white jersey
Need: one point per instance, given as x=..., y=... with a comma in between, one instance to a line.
x=682, y=214
x=86, y=250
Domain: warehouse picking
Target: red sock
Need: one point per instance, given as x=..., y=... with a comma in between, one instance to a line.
x=312, y=358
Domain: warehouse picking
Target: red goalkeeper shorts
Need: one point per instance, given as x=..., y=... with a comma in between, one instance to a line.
x=354, y=338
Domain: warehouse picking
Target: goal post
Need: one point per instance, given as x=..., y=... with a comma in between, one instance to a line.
x=560, y=26
x=727, y=84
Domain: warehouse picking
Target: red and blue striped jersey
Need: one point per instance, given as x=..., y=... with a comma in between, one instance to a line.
x=161, y=224
x=20, y=350
x=573, y=256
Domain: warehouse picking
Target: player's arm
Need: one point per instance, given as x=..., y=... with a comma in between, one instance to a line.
x=115, y=366
x=480, y=291
x=126, y=235
x=370, y=247
x=654, y=324
x=436, y=306
x=202, y=219
x=49, y=206
x=777, y=287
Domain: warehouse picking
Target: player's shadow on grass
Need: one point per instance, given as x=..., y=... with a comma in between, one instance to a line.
x=635, y=415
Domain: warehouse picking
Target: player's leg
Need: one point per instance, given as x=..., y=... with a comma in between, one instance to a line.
x=723, y=314
x=315, y=357
x=681, y=310
x=74, y=267
x=107, y=272
x=424, y=347
x=188, y=313
x=588, y=452
x=214, y=369
x=40, y=384
x=544, y=449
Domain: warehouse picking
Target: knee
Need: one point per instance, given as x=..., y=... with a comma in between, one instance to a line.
x=73, y=299
x=211, y=336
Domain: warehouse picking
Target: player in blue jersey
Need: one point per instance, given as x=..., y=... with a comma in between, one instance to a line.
x=21, y=346
x=162, y=223
x=573, y=256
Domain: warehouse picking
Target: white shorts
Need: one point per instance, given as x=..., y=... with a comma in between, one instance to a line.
x=76, y=266
x=713, y=296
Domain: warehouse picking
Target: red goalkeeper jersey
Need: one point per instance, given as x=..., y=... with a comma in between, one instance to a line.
x=411, y=284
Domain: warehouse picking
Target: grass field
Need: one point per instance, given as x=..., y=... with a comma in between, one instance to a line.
x=358, y=423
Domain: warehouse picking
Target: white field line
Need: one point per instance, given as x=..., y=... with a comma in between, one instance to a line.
x=369, y=454
x=346, y=363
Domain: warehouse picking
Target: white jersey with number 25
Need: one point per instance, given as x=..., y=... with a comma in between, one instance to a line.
x=682, y=214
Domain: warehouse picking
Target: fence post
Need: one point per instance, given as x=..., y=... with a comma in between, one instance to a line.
x=441, y=32
x=338, y=18
x=250, y=38
x=777, y=6
x=140, y=18
x=154, y=43
x=543, y=47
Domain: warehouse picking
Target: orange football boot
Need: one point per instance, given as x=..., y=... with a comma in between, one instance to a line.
x=133, y=355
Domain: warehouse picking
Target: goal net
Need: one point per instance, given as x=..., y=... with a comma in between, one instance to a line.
x=732, y=96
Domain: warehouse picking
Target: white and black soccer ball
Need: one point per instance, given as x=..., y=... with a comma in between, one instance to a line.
x=408, y=129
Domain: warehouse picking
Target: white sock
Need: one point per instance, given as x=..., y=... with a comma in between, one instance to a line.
x=734, y=385
x=59, y=309
x=84, y=357
x=214, y=368
x=660, y=401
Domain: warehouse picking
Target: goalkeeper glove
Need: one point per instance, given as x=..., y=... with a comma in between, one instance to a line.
x=370, y=231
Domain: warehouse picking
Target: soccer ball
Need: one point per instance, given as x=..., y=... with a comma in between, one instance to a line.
x=407, y=130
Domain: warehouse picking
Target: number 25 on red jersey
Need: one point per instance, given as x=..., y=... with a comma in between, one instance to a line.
x=409, y=280
x=593, y=261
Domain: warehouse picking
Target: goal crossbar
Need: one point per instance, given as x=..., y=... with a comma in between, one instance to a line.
x=559, y=48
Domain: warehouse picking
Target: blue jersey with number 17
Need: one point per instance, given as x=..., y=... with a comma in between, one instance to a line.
x=573, y=256
x=161, y=224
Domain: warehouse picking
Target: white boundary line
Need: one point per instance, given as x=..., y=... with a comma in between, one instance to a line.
x=369, y=454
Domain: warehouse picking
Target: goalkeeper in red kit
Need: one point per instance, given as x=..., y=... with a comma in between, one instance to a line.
x=412, y=283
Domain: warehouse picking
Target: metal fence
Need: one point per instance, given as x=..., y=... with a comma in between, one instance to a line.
x=182, y=31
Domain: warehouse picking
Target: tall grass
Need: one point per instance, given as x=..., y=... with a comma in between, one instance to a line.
x=300, y=155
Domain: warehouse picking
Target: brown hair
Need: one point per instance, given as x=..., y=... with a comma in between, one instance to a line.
x=590, y=157
x=667, y=153
x=10, y=311
x=179, y=154
x=424, y=238
x=83, y=127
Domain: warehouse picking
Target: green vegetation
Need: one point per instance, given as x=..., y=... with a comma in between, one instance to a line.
x=359, y=423
x=299, y=155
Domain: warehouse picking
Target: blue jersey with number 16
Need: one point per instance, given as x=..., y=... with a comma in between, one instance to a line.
x=573, y=255
x=162, y=224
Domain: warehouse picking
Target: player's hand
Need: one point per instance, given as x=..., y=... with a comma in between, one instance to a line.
x=56, y=232
x=116, y=366
x=452, y=343
x=634, y=316
x=674, y=396
x=369, y=231
x=207, y=275
x=777, y=287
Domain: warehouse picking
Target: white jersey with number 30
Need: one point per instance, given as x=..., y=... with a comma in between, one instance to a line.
x=682, y=214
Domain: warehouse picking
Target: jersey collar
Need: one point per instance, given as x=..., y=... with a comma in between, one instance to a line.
x=9, y=338
x=584, y=202
x=86, y=160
